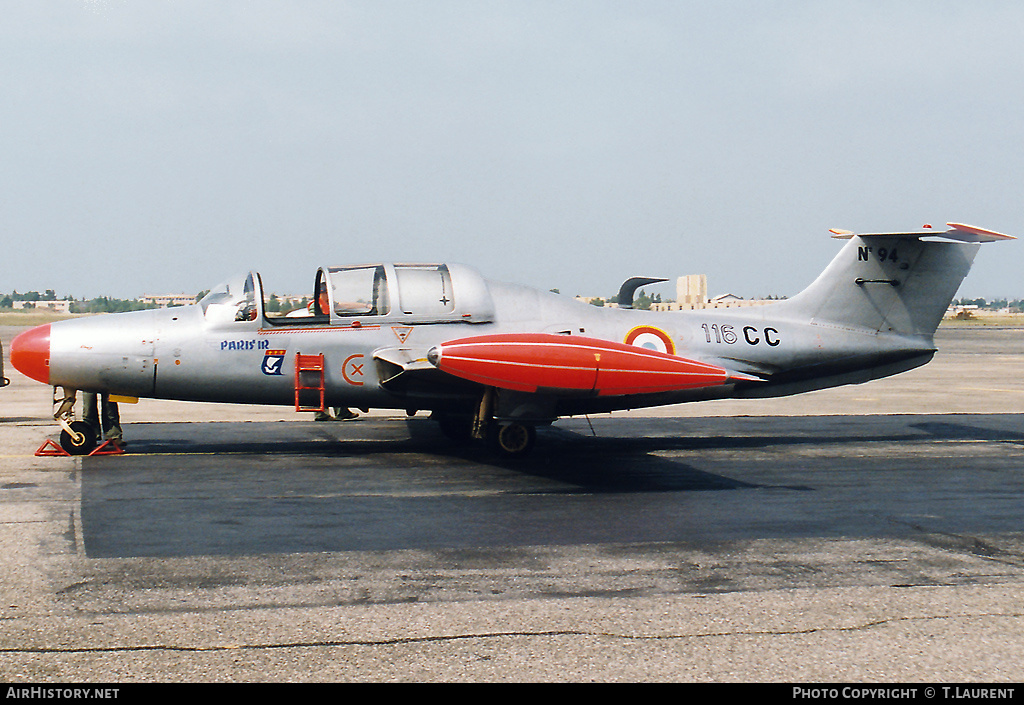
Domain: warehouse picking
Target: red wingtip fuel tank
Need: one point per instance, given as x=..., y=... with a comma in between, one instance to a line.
x=30, y=353
x=528, y=362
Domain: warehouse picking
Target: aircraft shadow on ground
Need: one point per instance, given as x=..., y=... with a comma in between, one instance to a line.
x=947, y=430
x=282, y=488
x=583, y=462
x=242, y=494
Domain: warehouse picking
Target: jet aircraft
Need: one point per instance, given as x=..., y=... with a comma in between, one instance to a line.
x=493, y=360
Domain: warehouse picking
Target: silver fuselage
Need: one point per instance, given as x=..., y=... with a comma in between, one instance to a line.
x=187, y=354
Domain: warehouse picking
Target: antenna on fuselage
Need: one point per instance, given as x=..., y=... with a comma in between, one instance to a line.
x=629, y=287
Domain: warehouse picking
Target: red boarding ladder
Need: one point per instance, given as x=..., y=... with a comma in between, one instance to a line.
x=309, y=382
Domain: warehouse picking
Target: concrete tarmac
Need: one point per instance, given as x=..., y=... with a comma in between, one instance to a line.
x=871, y=533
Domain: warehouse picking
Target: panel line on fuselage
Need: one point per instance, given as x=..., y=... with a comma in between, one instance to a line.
x=288, y=331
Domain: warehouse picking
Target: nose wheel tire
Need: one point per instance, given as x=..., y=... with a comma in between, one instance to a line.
x=512, y=440
x=81, y=442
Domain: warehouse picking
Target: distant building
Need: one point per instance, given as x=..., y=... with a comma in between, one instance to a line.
x=692, y=295
x=733, y=301
x=59, y=306
x=165, y=300
x=692, y=290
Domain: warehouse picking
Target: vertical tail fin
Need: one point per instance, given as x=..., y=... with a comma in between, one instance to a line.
x=892, y=282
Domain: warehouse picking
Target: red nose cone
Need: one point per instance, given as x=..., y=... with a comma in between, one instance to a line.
x=30, y=353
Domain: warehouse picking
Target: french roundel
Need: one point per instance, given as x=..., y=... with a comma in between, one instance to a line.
x=652, y=339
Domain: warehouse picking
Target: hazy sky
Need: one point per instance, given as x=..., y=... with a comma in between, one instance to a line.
x=154, y=146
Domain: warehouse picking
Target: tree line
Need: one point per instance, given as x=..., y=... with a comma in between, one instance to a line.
x=996, y=304
x=100, y=304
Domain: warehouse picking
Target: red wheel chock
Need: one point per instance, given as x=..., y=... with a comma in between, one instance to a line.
x=51, y=449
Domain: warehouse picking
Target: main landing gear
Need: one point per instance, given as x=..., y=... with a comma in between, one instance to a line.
x=507, y=439
x=513, y=439
x=510, y=439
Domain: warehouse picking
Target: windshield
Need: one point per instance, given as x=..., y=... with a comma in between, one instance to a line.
x=233, y=300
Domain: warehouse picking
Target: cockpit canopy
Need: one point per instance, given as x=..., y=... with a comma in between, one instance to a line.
x=410, y=293
x=233, y=300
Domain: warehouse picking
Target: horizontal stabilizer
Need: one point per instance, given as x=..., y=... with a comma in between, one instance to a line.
x=532, y=362
x=957, y=231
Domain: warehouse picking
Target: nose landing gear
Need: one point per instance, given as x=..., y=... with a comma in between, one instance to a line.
x=77, y=438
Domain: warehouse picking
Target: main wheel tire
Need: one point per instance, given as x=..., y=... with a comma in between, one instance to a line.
x=82, y=442
x=512, y=440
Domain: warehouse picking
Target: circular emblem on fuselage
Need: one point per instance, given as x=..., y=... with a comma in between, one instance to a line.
x=651, y=338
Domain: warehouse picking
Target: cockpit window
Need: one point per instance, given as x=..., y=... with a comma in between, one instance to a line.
x=416, y=293
x=357, y=291
x=425, y=289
